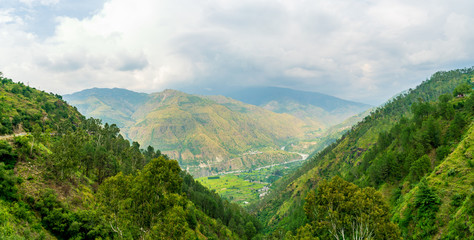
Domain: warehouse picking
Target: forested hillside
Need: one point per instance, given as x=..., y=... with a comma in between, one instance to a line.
x=416, y=151
x=405, y=171
x=66, y=177
x=23, y=107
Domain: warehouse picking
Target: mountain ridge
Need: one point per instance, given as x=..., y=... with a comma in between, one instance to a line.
x=197, y=129
x=262, y=95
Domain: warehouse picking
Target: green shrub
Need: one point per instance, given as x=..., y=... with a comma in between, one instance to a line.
x=457, y=199
x=7, y=155
x=427, y=204
x=8, y=190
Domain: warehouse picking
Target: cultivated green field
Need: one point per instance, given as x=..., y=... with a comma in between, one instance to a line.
x=243, y=188
x=233, y=188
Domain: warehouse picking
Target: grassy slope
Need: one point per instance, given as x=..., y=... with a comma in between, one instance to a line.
x=287, y=197
x=453, y=178
x=22, y=106
x=111, y=105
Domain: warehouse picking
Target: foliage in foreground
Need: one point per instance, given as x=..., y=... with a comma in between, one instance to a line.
x=341, y=210
x=74, y=178
x=416, y=150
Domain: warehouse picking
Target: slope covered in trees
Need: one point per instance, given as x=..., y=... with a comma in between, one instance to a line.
x=416, y=150
x=405, y=171
x=22, y=107
x=74, y=178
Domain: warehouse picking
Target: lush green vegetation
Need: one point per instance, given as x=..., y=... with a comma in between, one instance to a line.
x=234, y=188
x=339, y=209
x=22, y=107
x=405, y=171
x=74, y=178
x=233, y=216
x=245, y=187
x=416, y=150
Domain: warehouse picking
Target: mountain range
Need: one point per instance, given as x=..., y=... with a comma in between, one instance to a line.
x=308, y=106
x=211, y=134
x=405, y=171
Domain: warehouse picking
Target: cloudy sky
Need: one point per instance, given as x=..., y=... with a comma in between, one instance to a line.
x=365, y=50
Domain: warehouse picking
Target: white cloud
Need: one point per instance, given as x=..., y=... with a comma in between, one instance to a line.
x=39, y=2
x=352, y=49
x=301, y=73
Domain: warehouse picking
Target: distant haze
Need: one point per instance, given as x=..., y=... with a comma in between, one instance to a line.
x=364, y=51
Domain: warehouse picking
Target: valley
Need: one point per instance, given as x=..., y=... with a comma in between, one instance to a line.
x=247, y=187
x=210, y=135
x=404, y=170
x=236, y=120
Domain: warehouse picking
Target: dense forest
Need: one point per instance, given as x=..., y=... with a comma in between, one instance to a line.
x=66, y=177
x=404, y=172
x=409, y=165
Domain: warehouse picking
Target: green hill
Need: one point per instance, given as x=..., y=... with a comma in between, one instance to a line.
x=207, y=134
x=404, y=171
x=21, y=107
x=415, y=150
x=67, y=177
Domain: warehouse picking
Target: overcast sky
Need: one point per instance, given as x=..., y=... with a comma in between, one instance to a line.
x=360, y=50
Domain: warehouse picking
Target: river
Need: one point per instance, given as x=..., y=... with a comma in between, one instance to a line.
x=303, y=158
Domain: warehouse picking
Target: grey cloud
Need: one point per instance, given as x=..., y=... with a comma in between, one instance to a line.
x=359, y=50
x=63, y=63
x=199, y=46
x=255, y=17
x=132, y=63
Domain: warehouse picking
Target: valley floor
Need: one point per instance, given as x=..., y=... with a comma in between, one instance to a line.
x=245, y=187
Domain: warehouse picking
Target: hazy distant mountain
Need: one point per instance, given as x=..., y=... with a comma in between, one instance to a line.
x=112, y=105
x=308, y=106
x=262, y=95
